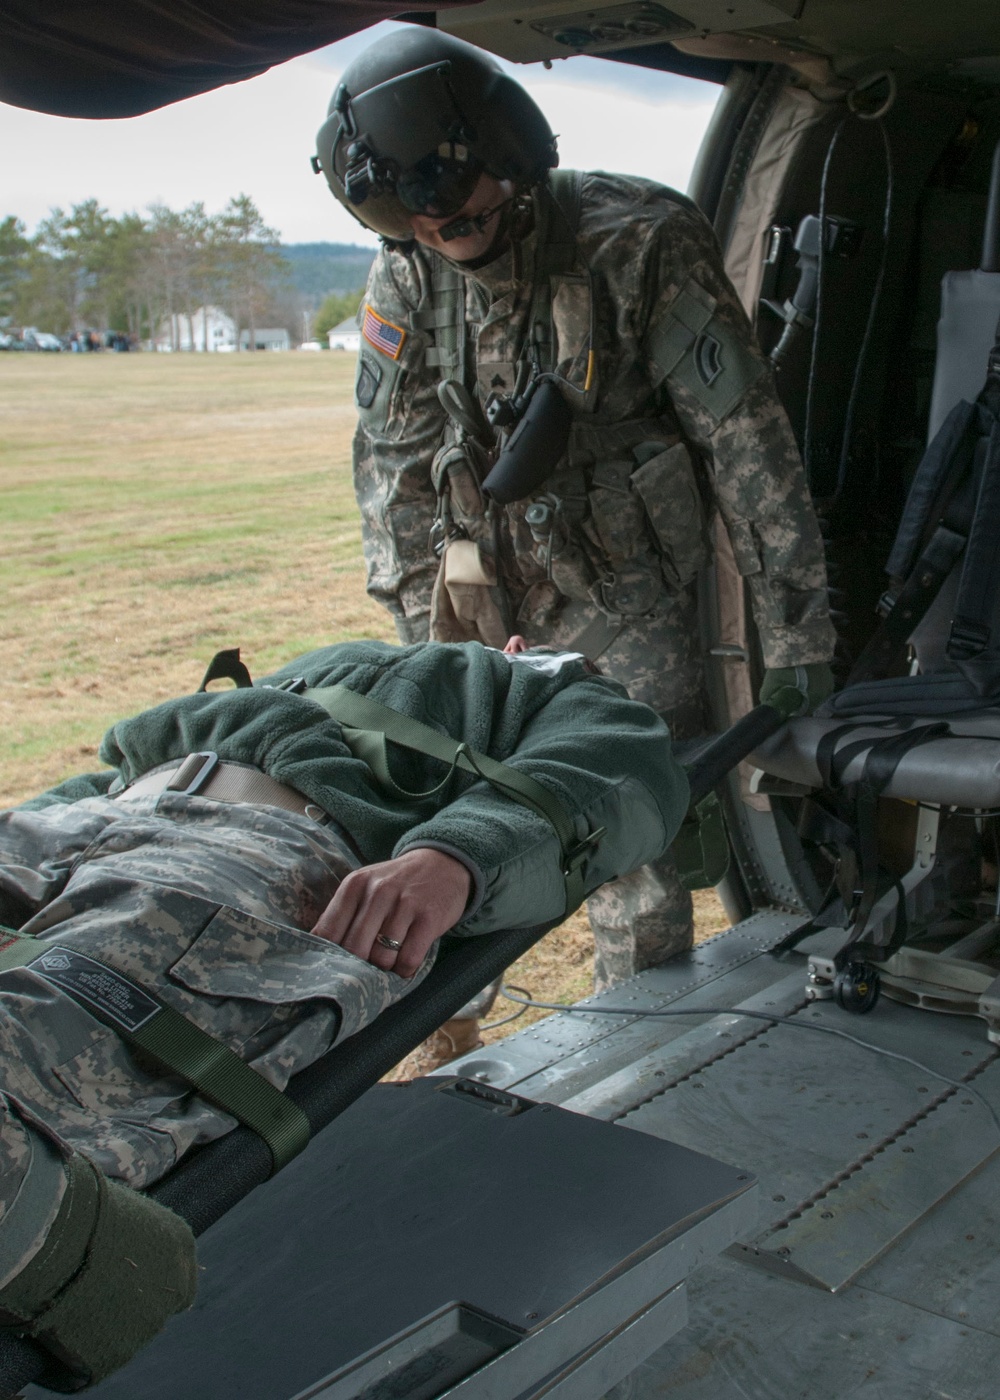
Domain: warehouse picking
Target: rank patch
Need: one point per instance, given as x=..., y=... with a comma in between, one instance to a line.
x=383, y=334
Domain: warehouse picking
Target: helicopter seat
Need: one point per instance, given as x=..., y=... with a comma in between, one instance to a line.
x=930, y=737
x=904, y=924
x=959, y=766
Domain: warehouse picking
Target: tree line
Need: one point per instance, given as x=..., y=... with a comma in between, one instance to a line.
x=85, y=269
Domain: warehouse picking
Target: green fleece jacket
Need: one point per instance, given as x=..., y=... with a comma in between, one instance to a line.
x=607, y=759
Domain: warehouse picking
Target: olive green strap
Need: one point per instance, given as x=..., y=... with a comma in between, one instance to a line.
x=367, y=724
x=180, y=1046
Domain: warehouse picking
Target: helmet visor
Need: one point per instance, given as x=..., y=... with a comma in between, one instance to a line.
x=439, y=185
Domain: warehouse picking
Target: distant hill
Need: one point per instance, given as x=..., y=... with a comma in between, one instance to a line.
x=321, y=268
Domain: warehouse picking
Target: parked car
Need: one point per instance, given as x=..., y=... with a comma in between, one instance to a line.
x=35, y=339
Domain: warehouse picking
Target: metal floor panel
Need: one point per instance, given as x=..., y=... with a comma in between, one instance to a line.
x=951, y=1264
x=752, y=1337
x=851, y=1148
x=879, y=1174
x=565, y=1055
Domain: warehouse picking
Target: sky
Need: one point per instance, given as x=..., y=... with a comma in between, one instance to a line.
x=256, y=138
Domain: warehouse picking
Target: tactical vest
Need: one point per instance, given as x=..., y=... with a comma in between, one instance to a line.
x=617, y=526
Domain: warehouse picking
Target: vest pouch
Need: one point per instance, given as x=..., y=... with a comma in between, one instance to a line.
x=630, y=593
x=632, y=582
x=573, y=334
x=665, y=484
x=569, y=567
x=463, y=603
x=454, y=473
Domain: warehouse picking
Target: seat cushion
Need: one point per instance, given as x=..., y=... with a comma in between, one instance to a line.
x=960, y=769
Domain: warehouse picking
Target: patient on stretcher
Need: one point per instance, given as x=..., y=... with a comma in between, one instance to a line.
x=257, y=874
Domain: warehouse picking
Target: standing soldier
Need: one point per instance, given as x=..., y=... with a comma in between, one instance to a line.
x=581, y=326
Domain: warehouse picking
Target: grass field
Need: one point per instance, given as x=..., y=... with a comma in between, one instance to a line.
x=156, y=508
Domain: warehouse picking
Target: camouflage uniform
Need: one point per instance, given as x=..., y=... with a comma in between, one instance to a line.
x=208, y=904
x=674, y=416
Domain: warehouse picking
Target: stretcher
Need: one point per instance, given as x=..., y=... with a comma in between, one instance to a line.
x=214, y=1180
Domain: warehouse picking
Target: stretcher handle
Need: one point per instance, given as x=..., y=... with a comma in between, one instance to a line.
x=712, y=763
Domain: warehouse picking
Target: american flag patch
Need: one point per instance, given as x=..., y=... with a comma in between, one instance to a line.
x=383, y=334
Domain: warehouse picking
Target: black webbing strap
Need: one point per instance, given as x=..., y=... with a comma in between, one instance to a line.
x=932, y=535
x=856, y=838
x=879, y=767
x=175, y=1042
x=367, y=724
x=975, y=605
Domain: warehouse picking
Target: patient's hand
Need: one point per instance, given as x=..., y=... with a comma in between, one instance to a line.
x=411, y=900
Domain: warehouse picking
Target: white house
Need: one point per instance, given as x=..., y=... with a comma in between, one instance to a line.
x=346, y=336
x=267, y=338
x=208, y=328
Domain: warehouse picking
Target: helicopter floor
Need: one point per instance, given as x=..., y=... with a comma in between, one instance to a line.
x=875, y=1264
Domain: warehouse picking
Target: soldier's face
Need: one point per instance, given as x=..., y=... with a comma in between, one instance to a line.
x=490, y=194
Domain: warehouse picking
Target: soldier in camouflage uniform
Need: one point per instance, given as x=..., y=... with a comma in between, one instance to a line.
x=614, y=288
x=277, y=897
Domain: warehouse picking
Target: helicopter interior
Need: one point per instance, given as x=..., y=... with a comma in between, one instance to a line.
x=848, y=173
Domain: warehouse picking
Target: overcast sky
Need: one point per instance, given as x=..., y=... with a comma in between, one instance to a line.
x=256, y=138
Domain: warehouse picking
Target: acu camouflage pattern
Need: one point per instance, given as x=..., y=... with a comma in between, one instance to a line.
x=653, y=450
x=652, y=447
x=147, y=884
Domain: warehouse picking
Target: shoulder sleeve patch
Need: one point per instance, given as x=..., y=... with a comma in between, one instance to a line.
x=383, y=334
x=695, y=346
x=368, y=380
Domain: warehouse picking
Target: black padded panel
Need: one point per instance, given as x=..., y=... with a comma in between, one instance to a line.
x=418, y=1196
x=117, y=58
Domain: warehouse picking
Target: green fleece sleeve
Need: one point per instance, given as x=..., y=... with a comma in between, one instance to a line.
x=607, y=759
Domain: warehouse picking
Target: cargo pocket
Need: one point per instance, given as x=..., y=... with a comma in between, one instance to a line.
x=666, y=485
x=260, y=977
x=100, y=1081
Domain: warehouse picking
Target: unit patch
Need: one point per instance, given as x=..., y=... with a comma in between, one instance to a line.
x=369, y=378
x=381, y=333
x=708, y=358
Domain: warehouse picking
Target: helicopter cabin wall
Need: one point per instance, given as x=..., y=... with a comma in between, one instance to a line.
x=861, y=423
x=858, y=405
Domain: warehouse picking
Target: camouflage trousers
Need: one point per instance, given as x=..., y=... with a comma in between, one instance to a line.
x=644, y=918
x=204, y=904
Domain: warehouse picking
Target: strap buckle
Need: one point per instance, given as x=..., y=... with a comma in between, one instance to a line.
x=193, y=773
x=886, y=603
x=576, y=855
x=967, y=639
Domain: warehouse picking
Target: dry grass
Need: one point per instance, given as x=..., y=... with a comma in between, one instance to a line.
x=158, y=508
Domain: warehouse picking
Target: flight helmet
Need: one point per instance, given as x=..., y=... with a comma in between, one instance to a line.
x=415, y=120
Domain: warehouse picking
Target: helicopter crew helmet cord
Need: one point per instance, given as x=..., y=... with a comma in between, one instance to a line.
x=848, y=432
